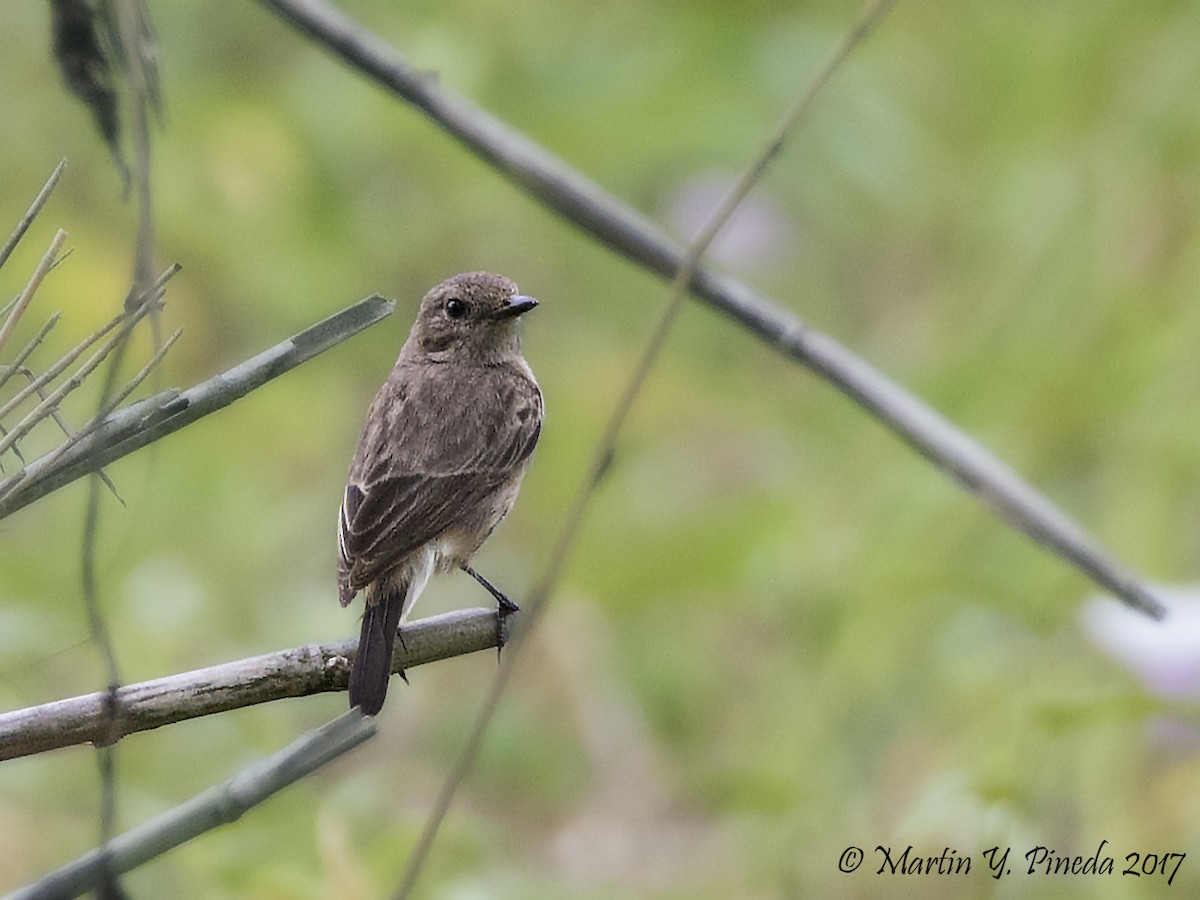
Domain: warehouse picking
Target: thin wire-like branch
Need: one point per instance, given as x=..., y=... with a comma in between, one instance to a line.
x=217, y=806
x=31, y=287
x=145, y=421
x=101, y=638
x=130, y=26
x=34, y=208
x=298, y=672
x=582, y=202
x=542, y=592
x=134, y=37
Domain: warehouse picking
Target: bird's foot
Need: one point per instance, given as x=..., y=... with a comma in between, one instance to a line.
x=504, y=609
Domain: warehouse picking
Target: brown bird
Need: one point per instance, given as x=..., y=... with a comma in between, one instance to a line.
x=441, y=457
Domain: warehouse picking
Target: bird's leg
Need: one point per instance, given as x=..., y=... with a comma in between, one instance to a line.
x=400, y=633
x=400, y=638
x=403, y=646
x=504, y=606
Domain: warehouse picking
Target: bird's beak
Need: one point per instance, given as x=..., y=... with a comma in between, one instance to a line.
x=516, y=305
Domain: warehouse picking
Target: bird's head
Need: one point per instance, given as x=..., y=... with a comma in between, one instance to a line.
x=469, y=318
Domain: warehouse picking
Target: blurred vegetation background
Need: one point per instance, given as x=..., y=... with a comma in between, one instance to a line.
x=782, y=633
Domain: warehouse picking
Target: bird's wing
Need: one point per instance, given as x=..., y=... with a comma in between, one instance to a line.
x=426, y=461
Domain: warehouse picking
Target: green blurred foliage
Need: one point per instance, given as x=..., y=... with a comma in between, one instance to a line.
x=781, y=633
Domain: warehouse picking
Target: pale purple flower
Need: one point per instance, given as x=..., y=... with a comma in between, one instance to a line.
x=1164, y=655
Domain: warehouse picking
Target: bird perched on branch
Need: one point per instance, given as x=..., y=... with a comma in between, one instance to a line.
x=439, y=463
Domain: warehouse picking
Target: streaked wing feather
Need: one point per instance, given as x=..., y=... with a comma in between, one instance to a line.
x=419, y=465
x=410, y=512
x=351, y=501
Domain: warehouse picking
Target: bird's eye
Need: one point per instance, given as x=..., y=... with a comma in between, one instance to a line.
x=455, y=308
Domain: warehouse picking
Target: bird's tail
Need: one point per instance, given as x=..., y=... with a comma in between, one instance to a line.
x=373, y=664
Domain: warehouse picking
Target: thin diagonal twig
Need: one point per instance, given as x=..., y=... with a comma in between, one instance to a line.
x=39, y=412
x=97, y=420
x=31, y=287
x=125, y=322
x=60, y=365
x=10, y=369
x=34, y=208
x=36, y=384
x=70, y=433
x=49, y=405
x=870, y=17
